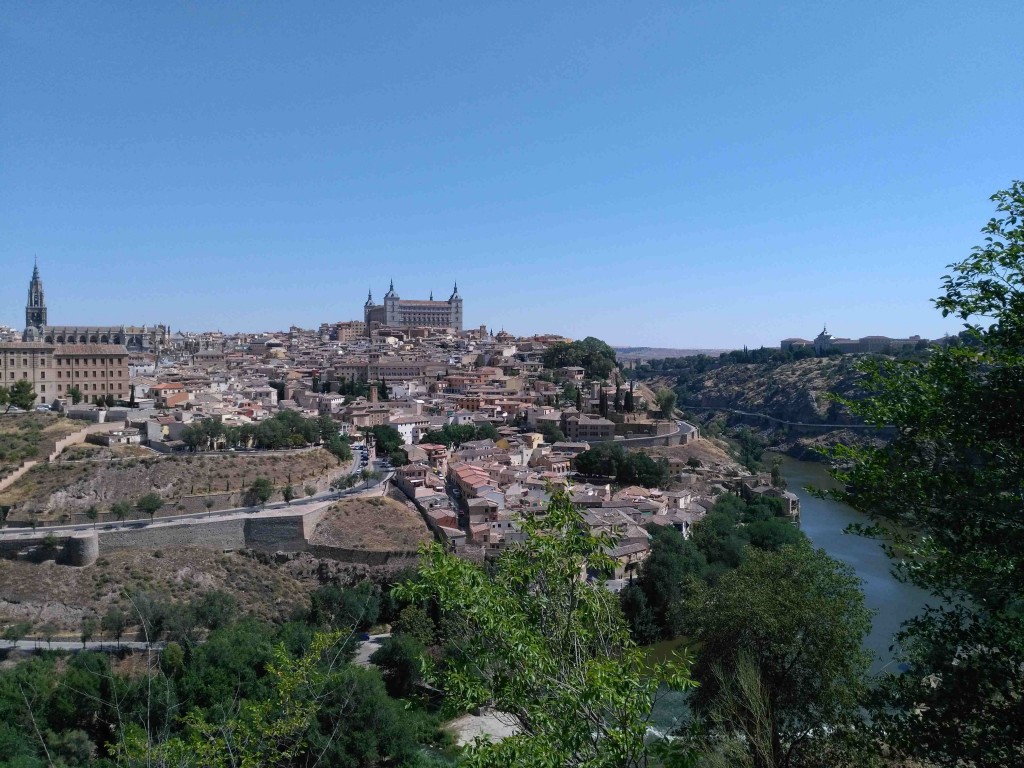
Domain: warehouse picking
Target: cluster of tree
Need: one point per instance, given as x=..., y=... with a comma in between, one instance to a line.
x=389, y=442
x=351, y=389
x=654, y=602
x=225, y=690
x=286, y=429
x=750, y=448
x=551, y=432
x=778, y=627
x=625, y=467
x=954, y=517
x=349, y=481
x=456, y=434
x=593, y=355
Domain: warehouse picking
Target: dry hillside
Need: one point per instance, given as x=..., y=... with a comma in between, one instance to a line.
x=46, y=592
x=31, y=436
x=372, y=523
x=709, y=451
x=49, y=491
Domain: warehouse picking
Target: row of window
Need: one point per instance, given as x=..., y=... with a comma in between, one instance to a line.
x=71, y=361
x=78, y=374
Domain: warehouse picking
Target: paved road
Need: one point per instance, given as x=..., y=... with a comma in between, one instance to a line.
x=781, y=421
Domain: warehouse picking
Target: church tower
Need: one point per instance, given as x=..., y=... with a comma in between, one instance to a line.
x=35, y=309
x=455, y=308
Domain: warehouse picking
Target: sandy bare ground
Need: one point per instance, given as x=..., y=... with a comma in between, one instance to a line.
x=374, y=524
x=493, y=726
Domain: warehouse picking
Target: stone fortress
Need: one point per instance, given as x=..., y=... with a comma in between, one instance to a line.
x=413, y=313
x=146, y=338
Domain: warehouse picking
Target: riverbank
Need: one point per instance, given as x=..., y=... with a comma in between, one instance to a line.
x=825, y=522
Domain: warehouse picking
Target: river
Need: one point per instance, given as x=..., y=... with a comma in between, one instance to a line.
x=824, y=522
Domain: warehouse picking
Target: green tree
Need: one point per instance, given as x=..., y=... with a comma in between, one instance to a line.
x=355, y=607
x=799, y=616
x=388, y=439
x=399, y=660
x=954, y=517
x=549, y=649
x=643, y=626
x=214, y=609
x=309, y=490
x=49, y=631
x=259, y=492
x=120, y=509
x=593, y=355
x=92, y=514
x=149, y=504
x=412, y=620
x=288, y=494
x=22, y=395
x=663, y=576
x=5, y=398
x=75, y=394
x=666, y=400
x=88, y=629
x=551, y=432
x=192, y=436
x=17, y=631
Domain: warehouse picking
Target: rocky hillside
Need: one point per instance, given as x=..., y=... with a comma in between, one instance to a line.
x=793, y=391
x=725, y=396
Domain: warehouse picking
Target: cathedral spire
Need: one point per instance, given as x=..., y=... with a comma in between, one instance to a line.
x=35, y=307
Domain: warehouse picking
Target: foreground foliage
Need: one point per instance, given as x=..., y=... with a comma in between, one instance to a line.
x=550, y=650
x=794, y=622
x=949, y=489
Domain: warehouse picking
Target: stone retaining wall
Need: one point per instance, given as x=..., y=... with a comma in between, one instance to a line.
x=205, y=534
x=16, y=474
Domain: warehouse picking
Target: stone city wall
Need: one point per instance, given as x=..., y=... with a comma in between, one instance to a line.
x=205, y=534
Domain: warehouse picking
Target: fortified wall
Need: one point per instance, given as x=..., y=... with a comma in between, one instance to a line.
x=284, y=531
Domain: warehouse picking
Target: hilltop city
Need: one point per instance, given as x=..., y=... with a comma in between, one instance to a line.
x=473, y=428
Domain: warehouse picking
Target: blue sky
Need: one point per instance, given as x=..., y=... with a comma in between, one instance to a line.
x=687, y=174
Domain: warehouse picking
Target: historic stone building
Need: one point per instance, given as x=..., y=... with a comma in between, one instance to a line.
x=146, y=338
x=97, y=370
x=413, y=313
x=825, y=342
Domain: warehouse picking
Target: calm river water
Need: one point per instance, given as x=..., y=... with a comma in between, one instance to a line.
x=824, y=522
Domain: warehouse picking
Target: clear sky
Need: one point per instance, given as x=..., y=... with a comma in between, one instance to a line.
x=688, y=174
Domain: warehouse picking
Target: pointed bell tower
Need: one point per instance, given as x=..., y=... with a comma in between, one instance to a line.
x=35, y=309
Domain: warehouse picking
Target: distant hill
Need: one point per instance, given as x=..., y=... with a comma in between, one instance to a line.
x=656, y=353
